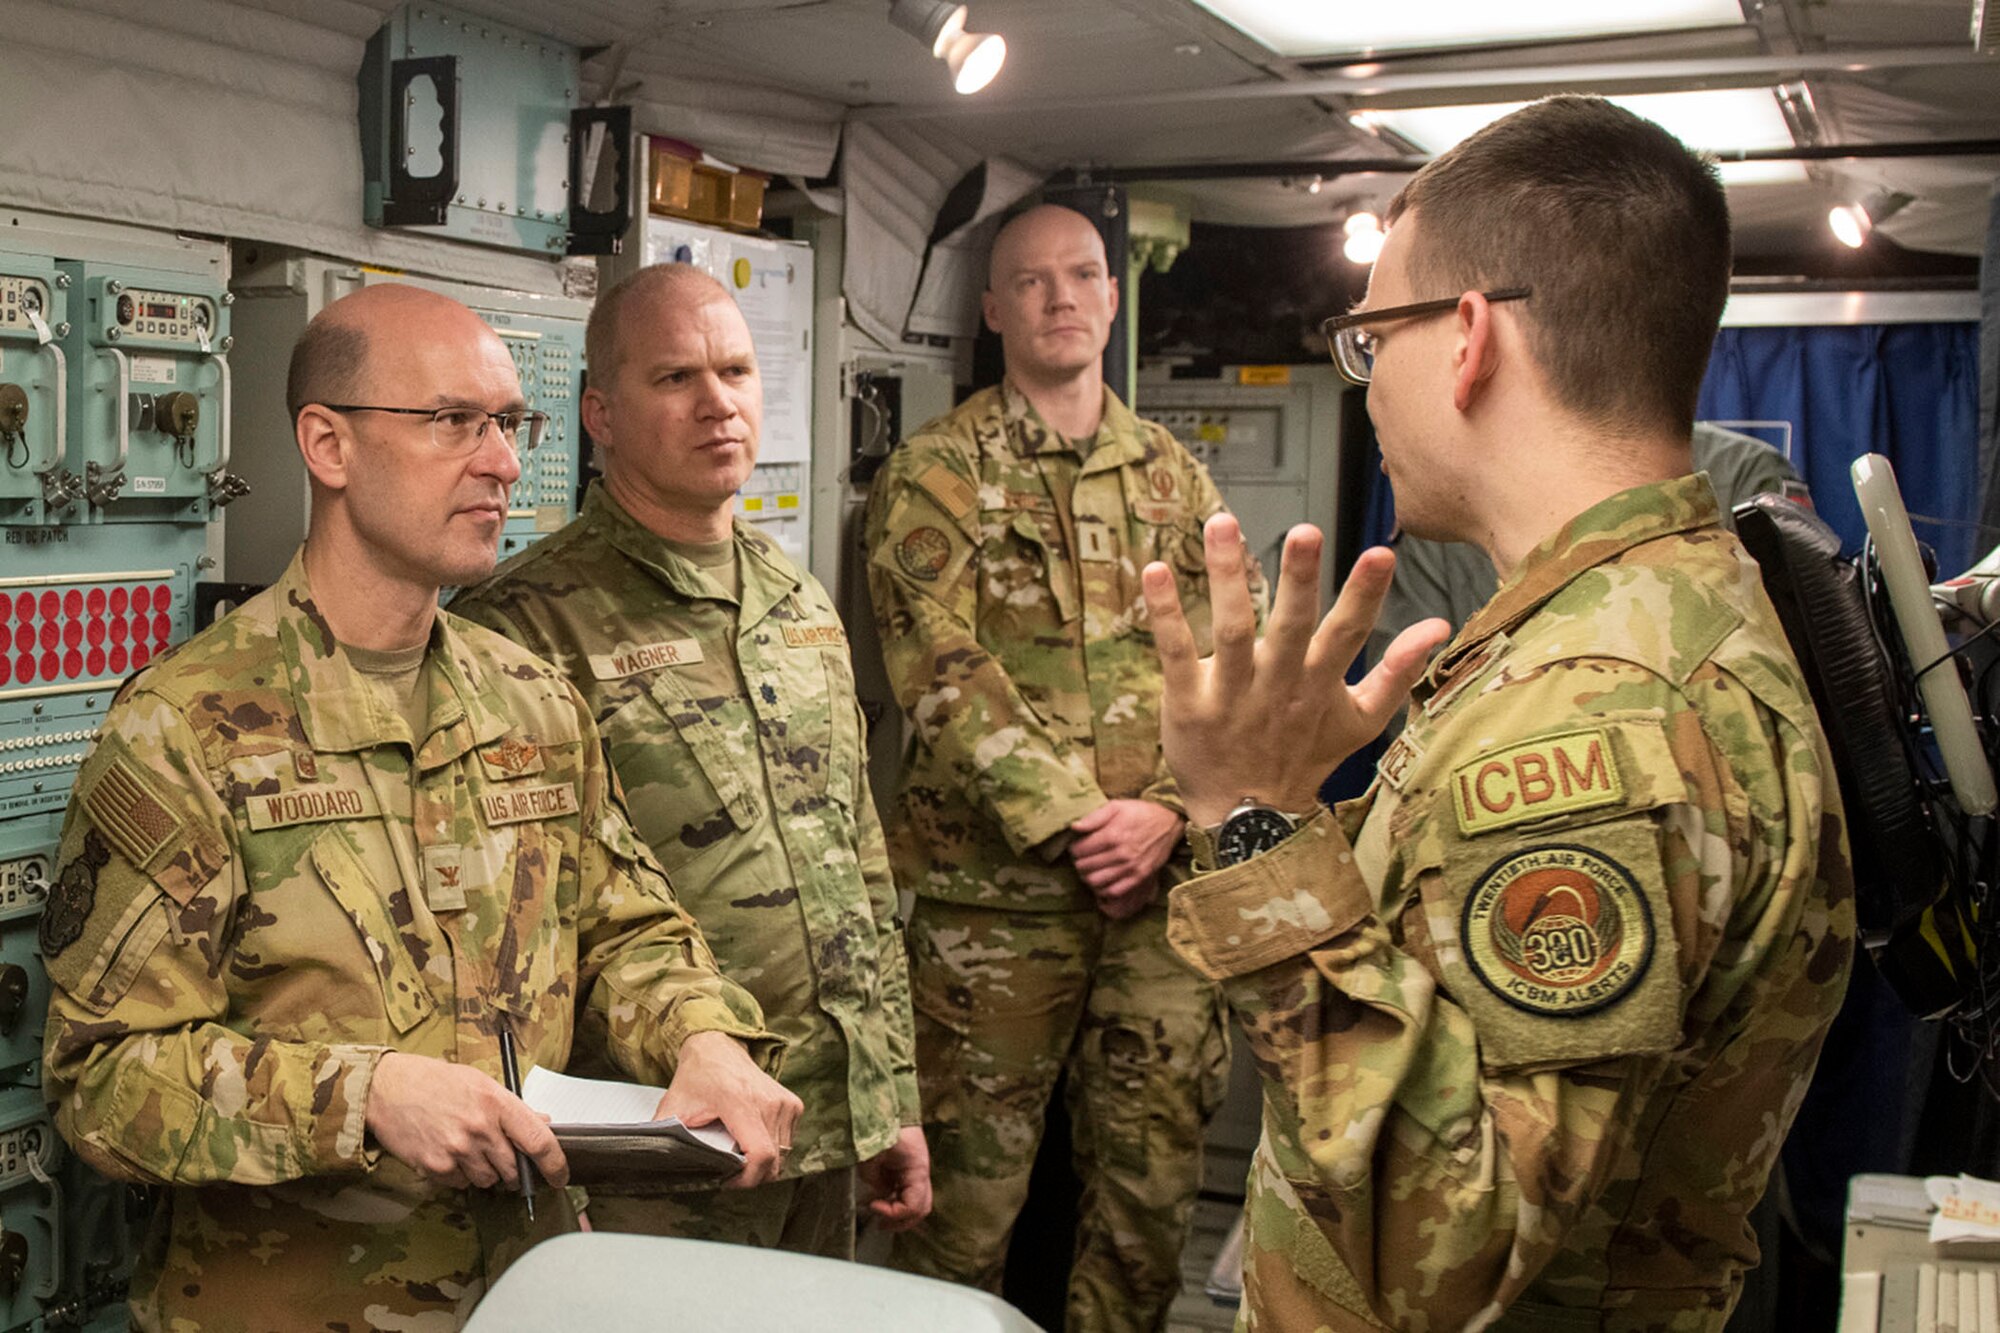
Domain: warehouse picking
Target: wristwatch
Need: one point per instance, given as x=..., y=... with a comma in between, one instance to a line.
x=1248, y=830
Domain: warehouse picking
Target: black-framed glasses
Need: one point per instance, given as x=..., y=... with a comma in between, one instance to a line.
x=458, y=430
x=1352, y=346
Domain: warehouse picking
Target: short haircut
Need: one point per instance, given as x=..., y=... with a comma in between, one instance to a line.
x=603, y=347
x=327, y=365
x=1620, y=231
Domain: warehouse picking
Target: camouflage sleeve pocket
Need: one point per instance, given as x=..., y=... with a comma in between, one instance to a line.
x=102, y=923
x=133, y=852
x=923, y=545
x=1567, y=952
x=156, y=829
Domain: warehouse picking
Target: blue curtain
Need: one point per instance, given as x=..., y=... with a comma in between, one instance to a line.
x=1907, y=391
x=1910, y=392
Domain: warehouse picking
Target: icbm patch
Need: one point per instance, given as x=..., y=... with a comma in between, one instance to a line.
x=1558, y=930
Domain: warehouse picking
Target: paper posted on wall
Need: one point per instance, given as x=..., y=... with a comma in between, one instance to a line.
x=608, y=1133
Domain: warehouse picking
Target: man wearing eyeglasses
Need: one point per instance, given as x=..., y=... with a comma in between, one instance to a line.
x=1535, y=1013
x=329, y=851
x=718, y=671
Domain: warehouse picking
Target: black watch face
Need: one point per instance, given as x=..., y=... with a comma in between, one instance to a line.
x=1249, y=832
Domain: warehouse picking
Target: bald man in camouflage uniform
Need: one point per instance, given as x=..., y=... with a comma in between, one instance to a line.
x=1535, y=1013
x=719, y=673
x=307, y=881
x=1035, y=822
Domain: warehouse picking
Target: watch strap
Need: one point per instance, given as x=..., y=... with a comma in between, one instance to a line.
x=1201, y=842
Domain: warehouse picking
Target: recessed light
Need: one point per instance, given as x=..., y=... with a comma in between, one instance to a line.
x=1298, y=29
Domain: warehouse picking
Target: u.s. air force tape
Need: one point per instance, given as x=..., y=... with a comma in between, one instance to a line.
x=513, y=805
x=1557, y=930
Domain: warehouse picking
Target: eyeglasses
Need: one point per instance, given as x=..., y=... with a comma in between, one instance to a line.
x=1353, y=347
x=458, y=430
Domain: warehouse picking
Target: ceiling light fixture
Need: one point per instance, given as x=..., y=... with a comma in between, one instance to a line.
x=1852, y=224
x=1711, y=118
x=972, y=57
x=1305, y=31
x=1364, y=238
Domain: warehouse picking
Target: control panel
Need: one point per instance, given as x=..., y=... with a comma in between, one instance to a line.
x=1245, y=442
x=35, y=487
x=27, y=864
x=72, y=632
x=173, y=319
x=465, y=127
x=149, y=396
x=774, y=491
x=31, y=1274
x=114, y=445
x=1271, y=442
x=548, y=356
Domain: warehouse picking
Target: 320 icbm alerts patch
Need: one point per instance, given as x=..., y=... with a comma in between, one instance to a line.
x=1558, y=930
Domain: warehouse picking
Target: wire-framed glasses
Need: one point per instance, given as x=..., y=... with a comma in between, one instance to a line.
x=457, y=430
x=1352, y=346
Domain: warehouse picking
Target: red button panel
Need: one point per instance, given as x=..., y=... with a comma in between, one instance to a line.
x=75, y=633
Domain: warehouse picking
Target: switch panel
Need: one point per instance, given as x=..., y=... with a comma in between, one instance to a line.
x=149, y=395
x=548, y=356
x=30, y=1256
x=35, y=487
x=114, y=403
x=27, y=864
x=76, y=618
x=139, y=316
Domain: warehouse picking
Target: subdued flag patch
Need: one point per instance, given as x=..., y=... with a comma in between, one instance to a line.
x=121, y=803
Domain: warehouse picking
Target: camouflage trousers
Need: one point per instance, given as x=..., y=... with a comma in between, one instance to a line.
x=809, y=1214
x=1007, y=1004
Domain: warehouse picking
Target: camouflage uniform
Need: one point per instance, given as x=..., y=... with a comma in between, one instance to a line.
x=1536, y=1012
x=1004, y=563
x=738, y=740
x=263, y=892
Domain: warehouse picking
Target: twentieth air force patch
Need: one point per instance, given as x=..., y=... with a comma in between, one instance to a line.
x=1558, y=930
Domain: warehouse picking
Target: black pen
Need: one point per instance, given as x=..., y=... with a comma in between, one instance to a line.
x=512, y=1072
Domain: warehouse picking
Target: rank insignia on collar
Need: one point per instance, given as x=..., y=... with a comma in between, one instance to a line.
x=511, y=757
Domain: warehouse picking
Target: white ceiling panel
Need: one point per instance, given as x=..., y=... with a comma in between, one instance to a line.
x=1292, y=28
